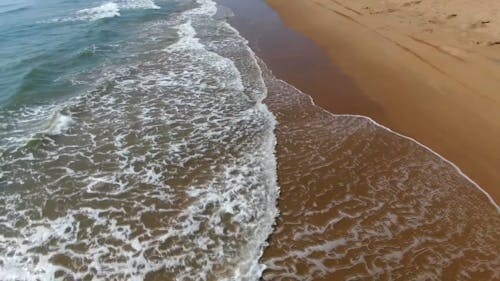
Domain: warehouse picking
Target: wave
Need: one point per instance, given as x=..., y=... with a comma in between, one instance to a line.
x=21, y=126
x=107, y=10
x=59, y=123
x=14, y=10
x=137, y=4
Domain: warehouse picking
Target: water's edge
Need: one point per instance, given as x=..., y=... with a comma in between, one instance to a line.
x=259, y=41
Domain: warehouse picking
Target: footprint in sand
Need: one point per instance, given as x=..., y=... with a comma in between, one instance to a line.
x=479, y=24
x=412, y=3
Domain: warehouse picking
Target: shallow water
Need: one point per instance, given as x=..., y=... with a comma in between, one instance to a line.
x=155, y=162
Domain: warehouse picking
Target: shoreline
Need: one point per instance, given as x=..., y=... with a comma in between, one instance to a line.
x=357, y=199
x=450, y=119
x=327, y=219
x=475, y=184
x=308, y=62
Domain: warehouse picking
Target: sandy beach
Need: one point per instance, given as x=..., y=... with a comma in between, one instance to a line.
x=225, y=140
x=358, y=201
x=428, y=69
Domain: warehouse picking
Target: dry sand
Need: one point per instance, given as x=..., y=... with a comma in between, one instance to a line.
x=432, y=68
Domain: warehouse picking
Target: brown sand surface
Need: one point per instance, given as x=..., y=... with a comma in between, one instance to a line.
x=296, y=59
x=430, y=68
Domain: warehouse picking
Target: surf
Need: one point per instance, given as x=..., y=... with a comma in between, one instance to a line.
x=164, y=168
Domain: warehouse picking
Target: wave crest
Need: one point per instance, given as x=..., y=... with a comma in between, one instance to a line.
x=107, y=10
x=59, y=123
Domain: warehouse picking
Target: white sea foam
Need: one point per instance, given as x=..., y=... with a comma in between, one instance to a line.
x=23, y=124
x=137, y=4
x=106, y=10
x=59, y=123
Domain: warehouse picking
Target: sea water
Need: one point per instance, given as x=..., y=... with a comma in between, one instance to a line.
x=134, y=143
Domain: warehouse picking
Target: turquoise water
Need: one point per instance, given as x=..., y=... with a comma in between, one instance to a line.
x=45, y=43
x=134, y=144
x=49, y=50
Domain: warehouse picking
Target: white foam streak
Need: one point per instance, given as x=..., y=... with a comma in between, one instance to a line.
x=138, y=4
x=107, y=10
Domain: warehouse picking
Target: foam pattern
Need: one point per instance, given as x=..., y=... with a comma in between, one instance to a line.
x=164, y=171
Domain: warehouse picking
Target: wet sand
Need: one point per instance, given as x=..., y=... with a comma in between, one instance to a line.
x=359, y=202
x=431, y=70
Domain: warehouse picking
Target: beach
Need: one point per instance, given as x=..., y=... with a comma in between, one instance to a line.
x=358, y=201
x=431, y=69
x=224, y=140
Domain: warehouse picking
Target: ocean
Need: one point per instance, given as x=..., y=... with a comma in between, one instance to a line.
x=134, y=144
